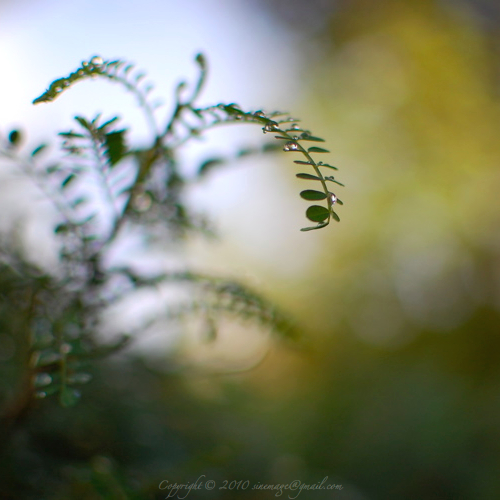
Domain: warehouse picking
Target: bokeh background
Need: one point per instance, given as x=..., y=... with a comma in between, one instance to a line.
x=395, y=392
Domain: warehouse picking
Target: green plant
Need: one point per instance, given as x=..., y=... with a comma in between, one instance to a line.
x=103, y=188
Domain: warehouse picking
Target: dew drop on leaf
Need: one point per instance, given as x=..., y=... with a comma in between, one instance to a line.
x=42, y=379
x=333, y=198
x=295, y=126
x=97, y=60
x=291, y=146
x=271, y=127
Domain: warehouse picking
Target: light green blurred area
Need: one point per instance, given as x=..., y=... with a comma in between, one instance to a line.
x=400, y=398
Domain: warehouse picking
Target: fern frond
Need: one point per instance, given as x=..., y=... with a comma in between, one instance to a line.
x=117, y=71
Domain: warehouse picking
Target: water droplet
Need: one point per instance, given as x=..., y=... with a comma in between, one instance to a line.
x=40, y=394
x=295, y=138
x=333, y=198
x=58, y=89
x=238, y=117
x=320, y=163
x=260, y=114
x=80, y=72
x=65, y=349
x=291, y=146
x=85, y=63
x=271, y=127
x=143, y=202
x=295, y=126
x=97, y=60
x=291, y=119
x=42, y=379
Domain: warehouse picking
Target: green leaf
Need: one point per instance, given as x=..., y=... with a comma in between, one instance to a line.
x=208, y=165
x=319, y=226
x=115, y=146
x=15, y=137
x=335, y=216
x=309, y=177
x=310, y=194
x=71, y=135
x=84, y=123
x=106, y=125
x=38, y=150
x=62, y=228
x=321, y=164
x=307, y=137
x=301, y=162
x=315, y=149
x=332, y=179
x=317, y=213
x=69, y=397
x=68, y=179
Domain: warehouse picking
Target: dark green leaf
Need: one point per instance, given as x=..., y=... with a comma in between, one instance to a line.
x=208, y=165
x=69, y=396
x=315, y=149
x=307, y=137
x=339, y=202
x=71, y=135
x=316, y=213
x=321, y=164
x=105, y=125
x=38, y=150
x=301, y=162
x=68, y=179
x=61, y=228
x=15, y=137
x=319, y=226
x=309, y=177
x=83, y=122
x=335, y=216
x=281, y=137
x=115, y=146
x=310, y=194
x=332, y=179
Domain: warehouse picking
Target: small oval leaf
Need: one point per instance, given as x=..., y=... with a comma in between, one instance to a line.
x=309, y=177
x=69, y=397
x=319, y=226
x=315, y=149
x=67, y=180
x=310, y=194
x=15, y=137
x=321, y=164
x=307, y=137
x=38, y=150
x=335, y=216
x=317, y=213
